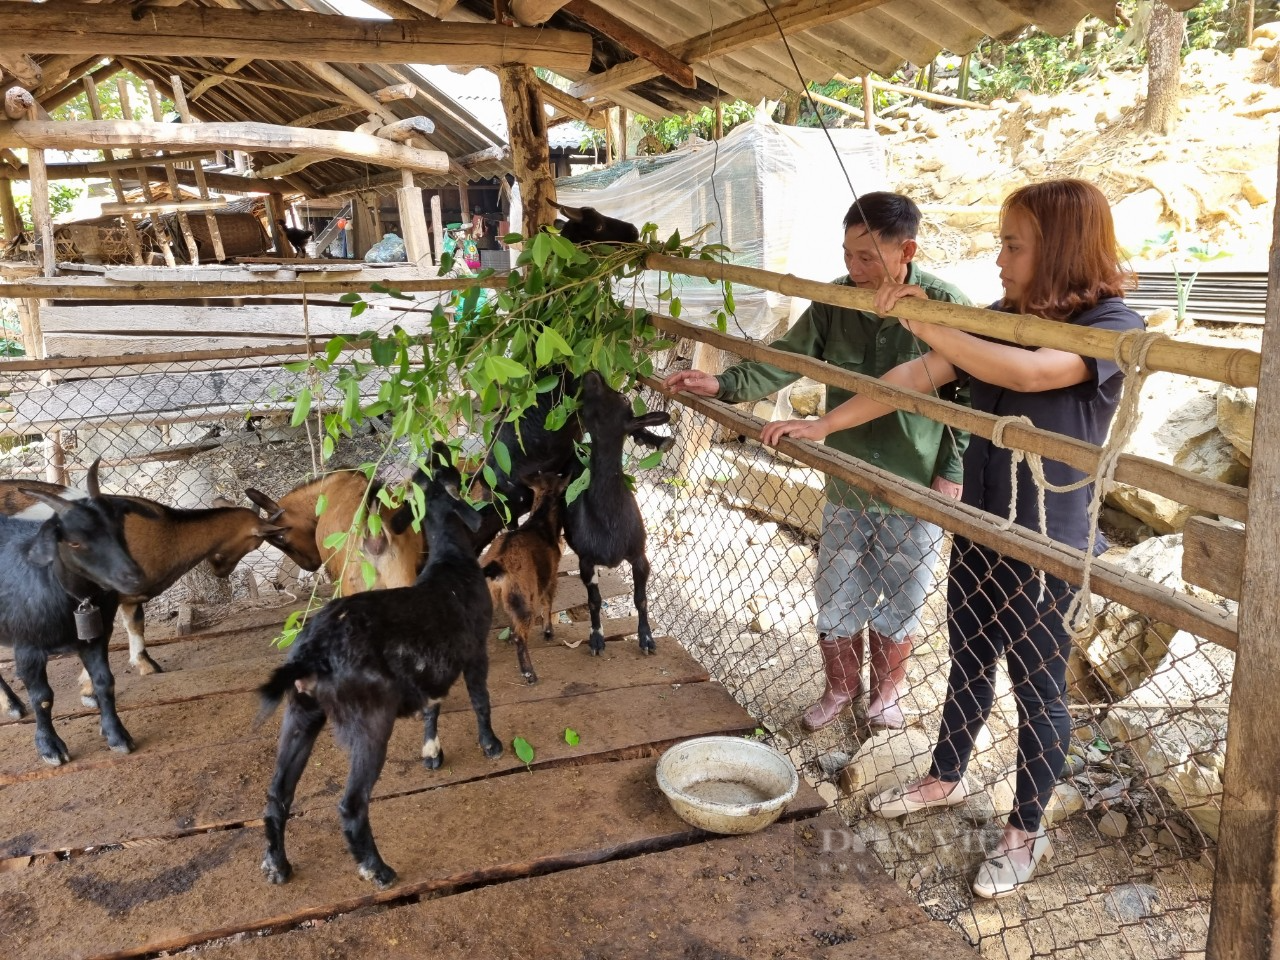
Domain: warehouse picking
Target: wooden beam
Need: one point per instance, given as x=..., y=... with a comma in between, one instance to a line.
x=157, y=226
x=413, y=222
x=93, y=288
x=105, y=29
x=9, y=211
x=638, y=42
x=1246, y=882
x=21, y=69
x=208, y=83
x=1044, y=553
x=184, y=222
x=60, y=98
x=570, y=105
x=327, y=115
x=527, y=134
x=95, y=168
x=224, y=182
x=787, y=18
x=40, y=213
x=402, y=131
x=202, y=182
x=160, y=206
x=18, y=103
x=130, y=228
x=94, y=135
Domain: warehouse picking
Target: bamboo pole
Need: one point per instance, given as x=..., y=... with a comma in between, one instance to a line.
x=162, y=235
x=91, y=288
x=184, y=223
x=40, y=217
x=12, y=226
x=928, y=95
x=1107, y=580
x=1232, y=365
x=1175, y=483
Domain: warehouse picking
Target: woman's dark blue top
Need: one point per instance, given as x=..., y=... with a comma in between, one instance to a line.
x=1083, y=411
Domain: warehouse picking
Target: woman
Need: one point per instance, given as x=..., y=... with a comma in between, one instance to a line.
x=1058, y=260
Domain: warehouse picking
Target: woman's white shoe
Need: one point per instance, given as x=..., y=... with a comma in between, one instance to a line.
x=998, y=877
x=895, y=803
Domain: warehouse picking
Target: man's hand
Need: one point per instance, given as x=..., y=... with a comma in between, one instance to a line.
x=797, y=429
x=692, y=381
x=948, y=488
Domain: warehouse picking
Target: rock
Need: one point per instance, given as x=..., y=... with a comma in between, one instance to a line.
x=930, y=163
x=1113, y=823
x=791, y=496
x=808, y=397
x=832, y=762
x=827, y=792
x=982, y=241
x=1177, y=422
x=1236, y=406
x=1131, y=902
x=1065, y=802
x=1073, y=766
x=1269, y=31
x=891, y=758
x=1137, y=217
x=1257, y=189
x=1162, y=320
x=1167, y=839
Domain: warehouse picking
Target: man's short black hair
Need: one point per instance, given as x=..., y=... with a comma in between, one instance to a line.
x=890, y=215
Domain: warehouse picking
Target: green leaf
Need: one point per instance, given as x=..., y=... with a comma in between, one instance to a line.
x=326, y=448
x=322, y=504
x=575, y=489
x=571, y=736
x=335, y=540
x=504, y=633
x=301, y=407
x=502, y=369
x=358, y=308
x=350, y=298
x=503, y=456
x=540, y=249
x=351, y=400
x=369, y=573
x=375, y=525
x=651, y=461
x=384, y=352
x=524, y=750
x=558, y=343
x=490, y=478
x=334, y=347
x=511, y=238
x=676, y=307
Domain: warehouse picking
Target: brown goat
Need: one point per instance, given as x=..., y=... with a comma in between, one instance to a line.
x=396, y=553
x=522, y=564
x=165, y=543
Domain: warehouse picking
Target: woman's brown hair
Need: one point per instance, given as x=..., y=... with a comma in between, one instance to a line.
x=1077, y=257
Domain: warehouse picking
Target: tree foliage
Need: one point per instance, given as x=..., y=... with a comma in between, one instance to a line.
x=668, y=133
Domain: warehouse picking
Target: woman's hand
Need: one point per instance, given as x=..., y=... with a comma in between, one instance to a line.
x=797, y=429
x=692, y=381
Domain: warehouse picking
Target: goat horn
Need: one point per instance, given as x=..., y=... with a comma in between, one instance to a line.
x=91, y=481
x=573, y=213
x=59, y=504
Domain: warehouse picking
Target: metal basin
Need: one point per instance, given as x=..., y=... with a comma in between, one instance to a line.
x=727, y=784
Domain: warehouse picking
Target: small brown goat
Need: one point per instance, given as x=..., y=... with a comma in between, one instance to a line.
x=396, y=553
x=165, y=543
x=522, y=564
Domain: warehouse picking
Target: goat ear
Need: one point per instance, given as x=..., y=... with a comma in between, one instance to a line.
x=91, y=479
x=470, y=516
x=44, y=548
x=653, y=418
x=267, y=530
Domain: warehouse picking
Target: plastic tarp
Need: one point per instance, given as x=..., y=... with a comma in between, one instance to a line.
x=775, y=195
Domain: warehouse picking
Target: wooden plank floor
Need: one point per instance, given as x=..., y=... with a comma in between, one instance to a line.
x=577, y=856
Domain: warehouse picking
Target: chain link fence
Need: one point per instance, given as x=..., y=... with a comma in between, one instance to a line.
x=735, y=532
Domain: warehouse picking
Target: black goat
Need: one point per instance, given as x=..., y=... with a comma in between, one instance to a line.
x=365, y=659
x=297, y=237
x=603, y=525
x=588, y=225
x=77, y=556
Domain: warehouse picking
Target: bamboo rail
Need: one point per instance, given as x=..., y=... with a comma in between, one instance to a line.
x=1175, y=483
x=1236, y=366
x=1107, y=580
x=143, y=290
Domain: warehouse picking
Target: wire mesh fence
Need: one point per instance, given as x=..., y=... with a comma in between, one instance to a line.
x=1130, y=786
x=742, y=577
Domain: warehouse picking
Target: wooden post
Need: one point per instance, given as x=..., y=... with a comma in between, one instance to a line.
x=12, y=226
x=184, y=224
x=718, y=132
x=622, y=131
x=275, y=204
x=437, y=227
x=130, y=228
x=210, y=221
x=413, y=221
x=530, y=155
x=464, y=200
x=1245, y=916
x=694, y=438
x=40, y=213
x=364, y=233
x=162, y=235
x=868, y=102
x=965, y=64
x=1248, y=23
x=32, y=333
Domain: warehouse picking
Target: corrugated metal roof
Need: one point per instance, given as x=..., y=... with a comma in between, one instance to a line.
x=869, y=36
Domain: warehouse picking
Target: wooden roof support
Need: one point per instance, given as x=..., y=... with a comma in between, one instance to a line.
x=572, y=106
x=94, y=135
x=20, y=68
x=202, y=182
x=640, y=44
x=95, y=168
x=531, y=13
x=208, y=83
x=130, y=228
x=110, y=29
x=790, y=17
x=72, y=89
x=527, y=134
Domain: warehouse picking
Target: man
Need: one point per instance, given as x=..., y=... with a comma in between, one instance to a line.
x=875, y=563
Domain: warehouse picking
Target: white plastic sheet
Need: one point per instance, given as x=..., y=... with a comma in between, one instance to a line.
x=776, y=195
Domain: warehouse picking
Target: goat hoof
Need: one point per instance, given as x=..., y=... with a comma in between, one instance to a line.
x=492, y=750
x=89, y=700
x=433, y=763
x=124, y=745
x=54, y=754
x=146, y=666
x=276, y=871
x=530, y=677
x=16, y=710
x=381, y=875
